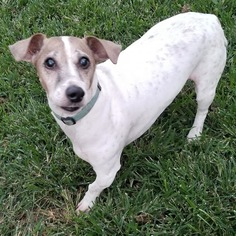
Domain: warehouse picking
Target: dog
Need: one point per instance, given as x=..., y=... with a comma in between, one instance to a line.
x=104, y=98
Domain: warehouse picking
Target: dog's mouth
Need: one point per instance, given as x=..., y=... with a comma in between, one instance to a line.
x=70, y=109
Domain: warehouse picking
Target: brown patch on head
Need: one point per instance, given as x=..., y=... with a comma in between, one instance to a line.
x=52, y=46
x=62, y=62
x=84, y=59
x=49, y=49
x=79, y=44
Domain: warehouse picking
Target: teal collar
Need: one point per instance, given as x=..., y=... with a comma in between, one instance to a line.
x=71, y=120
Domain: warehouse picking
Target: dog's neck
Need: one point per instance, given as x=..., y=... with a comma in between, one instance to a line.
x=71, y=120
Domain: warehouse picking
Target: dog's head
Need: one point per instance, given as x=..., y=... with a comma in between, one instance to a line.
x=65, y=66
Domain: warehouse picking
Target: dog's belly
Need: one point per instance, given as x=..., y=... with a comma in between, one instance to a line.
x=149, y=105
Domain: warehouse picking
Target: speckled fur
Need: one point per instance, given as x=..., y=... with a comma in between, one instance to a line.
x=135, y=91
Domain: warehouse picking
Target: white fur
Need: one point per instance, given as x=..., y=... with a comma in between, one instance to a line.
x=148, y=76
x=69, y=56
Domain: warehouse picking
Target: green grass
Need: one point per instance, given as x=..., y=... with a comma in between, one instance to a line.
x=166, y=186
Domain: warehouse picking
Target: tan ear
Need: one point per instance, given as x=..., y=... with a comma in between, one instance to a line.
x=26, y=49
x=103, y=49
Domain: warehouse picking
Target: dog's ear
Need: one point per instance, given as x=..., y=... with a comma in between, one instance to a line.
x=26, y=49
x=103, y=49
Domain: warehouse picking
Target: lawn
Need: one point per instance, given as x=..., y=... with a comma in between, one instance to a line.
x=166, y=186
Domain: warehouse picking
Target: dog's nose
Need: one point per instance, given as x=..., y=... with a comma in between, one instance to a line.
x=74, y=93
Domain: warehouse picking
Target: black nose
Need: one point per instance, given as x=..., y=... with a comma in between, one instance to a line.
x=74, y=93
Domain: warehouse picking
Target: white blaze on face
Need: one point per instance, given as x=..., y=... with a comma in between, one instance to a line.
x=69, y=73
x=69, y=56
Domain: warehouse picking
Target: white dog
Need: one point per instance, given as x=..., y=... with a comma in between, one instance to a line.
x=103, y=106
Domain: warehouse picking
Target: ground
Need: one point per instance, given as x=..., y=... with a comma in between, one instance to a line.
x=166, y=186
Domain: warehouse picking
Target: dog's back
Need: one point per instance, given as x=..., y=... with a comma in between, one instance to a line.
x=157, y=66
x=182, y=39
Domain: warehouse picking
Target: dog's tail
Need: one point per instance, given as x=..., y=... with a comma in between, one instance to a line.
x=223, y=34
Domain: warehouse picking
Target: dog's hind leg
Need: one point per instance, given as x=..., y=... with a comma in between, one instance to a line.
x=206, y=77
x=204, y=98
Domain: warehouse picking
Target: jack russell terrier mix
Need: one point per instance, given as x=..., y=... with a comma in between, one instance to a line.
x=103, y=105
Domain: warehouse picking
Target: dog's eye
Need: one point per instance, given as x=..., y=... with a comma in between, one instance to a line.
x=84, y=62
x=50, y=63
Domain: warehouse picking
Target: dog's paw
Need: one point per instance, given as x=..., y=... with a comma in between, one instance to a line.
x=194, y=134
x=84, y=206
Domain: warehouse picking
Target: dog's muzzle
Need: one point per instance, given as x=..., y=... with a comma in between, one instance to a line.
x=71, y=120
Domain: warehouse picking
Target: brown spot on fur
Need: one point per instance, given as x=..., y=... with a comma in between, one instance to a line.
x=82, y=49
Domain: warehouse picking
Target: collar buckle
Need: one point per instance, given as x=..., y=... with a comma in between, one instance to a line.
x=68, y=120
x=99, y=87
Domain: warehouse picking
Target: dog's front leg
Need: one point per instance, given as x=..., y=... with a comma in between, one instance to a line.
x=105, y=175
